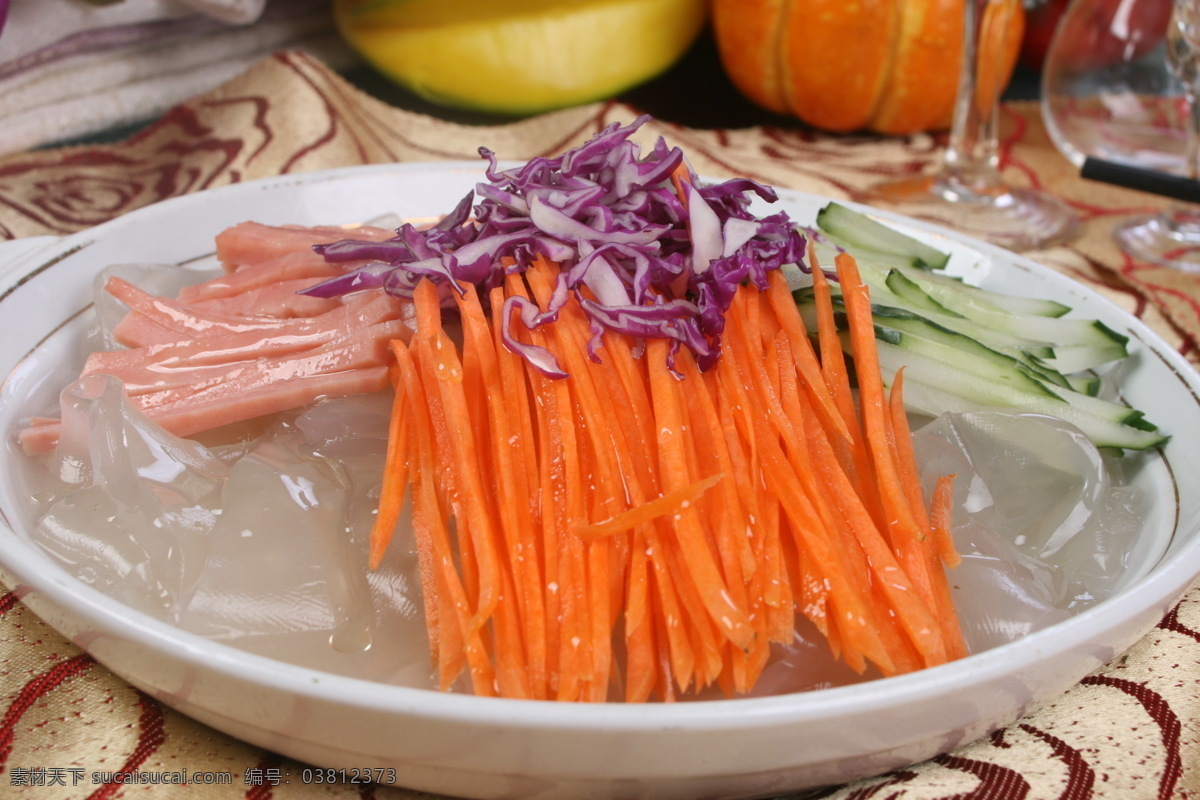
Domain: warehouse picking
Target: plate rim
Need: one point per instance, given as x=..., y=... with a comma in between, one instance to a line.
x=812, y=706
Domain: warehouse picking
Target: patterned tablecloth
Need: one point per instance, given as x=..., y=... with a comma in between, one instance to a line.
x=1131, y=730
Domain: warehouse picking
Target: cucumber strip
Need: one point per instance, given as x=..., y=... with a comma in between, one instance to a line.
x=993, y=366
x=972, y=375
x=1040, y=371
x=1078, y=357
x=906, y=291
x=984, y=363
x=1011, y=344
x=1028, y=353
x=853, y=228
x=935, y=283
x=1059, y=331
x=957, y=335
x=936, y=389
x=964, y=347
x=947, y=345
x=918, y=299
x=1108, y=409
x=1084, y=383
x=972, y=357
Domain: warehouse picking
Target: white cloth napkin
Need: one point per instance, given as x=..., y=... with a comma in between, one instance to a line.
x=70, y=68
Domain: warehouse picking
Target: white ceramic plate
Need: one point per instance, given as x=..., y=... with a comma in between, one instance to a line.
x=482, y=747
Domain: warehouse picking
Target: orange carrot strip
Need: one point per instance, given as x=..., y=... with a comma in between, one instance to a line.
x=512, y=674
x=779, y=393
x=395, y=475
x=459, y=645
x=730, y=620
x=943, y=495
x=759, y=359
x=813, y=595
x=470, y=509
x=783, y=480
x=810, y=462
x=681, y=177
x=872, y=402
x=516, y=471
x=902, y=449
x=853, y=453
x=701, y=661
x=713, y=662
x=667, y=658
x=574, y=644
x=781, y=592
x=428, y=317
x=767, y=322
x=641, y=665
x=725, y=514
x=505, y=634
x=563, y=502
x=890, y=579
x=770, y=599
x=906, y=460
x=587, y=588
x=551, y=494
x=674, y=653
x=939, y=519
x=742, y=466
x=552, y=522
x=905, y=656
x=521, y=629
x=632, y=431
x=937, y=543
x=602, y=450
x=693, y=619
x=405, y=370
x=564, y=493
x=600, y=556
x=833, y=360
x=806, y=360
x=650, y=510
x=906, y=532
x=769, y=580
x=669, y=614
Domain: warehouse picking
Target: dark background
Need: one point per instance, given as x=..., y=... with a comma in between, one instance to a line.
x=695, y=92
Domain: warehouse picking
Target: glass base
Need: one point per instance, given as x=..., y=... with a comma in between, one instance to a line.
x=1017, y=219
x=1170, y=239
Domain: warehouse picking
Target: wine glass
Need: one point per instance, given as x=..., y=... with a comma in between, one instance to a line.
x=1120, y=84
x=968, y=190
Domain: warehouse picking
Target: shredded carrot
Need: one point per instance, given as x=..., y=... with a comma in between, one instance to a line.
x=516, y=473
x=853, y=452
x=457, y=646
x=892, y=585
x=441, y=355
x=943, y=497
x=693, y=513
x=906, y=533
x=696, y=554
x=806, y=360
x=650, y=510
x=395, y=475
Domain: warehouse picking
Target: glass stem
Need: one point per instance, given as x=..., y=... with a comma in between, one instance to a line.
x=1192, y=162
x=972, y=159
x=1183, y=219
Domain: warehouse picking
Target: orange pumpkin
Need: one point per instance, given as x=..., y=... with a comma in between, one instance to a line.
x=889, y=66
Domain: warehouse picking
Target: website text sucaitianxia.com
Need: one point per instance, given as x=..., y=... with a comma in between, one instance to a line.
x=253, y=776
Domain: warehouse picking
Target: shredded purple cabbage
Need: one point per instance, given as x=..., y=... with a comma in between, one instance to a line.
x=652, y=264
